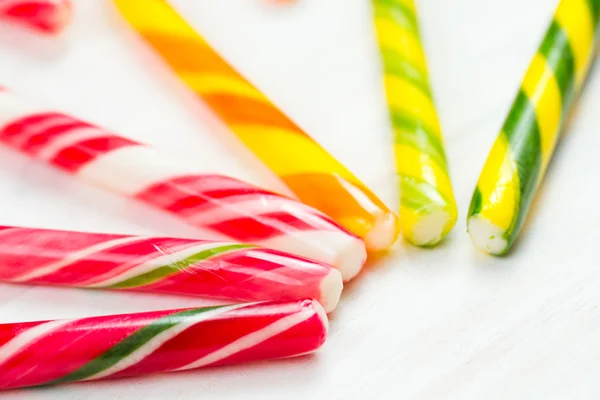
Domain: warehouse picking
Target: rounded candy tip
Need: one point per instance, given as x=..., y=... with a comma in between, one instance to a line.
x=331, y=290
x=384, y=232
x=430, y=229
x=486, y=236
x=351, y=258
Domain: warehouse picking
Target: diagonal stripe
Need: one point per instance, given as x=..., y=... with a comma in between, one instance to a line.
x=408, y=100
x=142, y=343
x=69, y=139
x=576, y=21
x=207, y=83
x=392, y=36
x=28, y=338
x=73, y=257
x=540, y=86
x=413, y=133
x=161, y=268
x=396, y=64
x=402, y=14
x=557, y=51
x=523, y=134
x=251, y=340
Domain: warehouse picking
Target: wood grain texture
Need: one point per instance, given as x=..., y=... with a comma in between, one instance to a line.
x=447, y=323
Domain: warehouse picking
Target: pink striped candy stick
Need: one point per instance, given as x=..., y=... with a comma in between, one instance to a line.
x=232, y=271
x=45, y=16
x=223, y=208
x=53, y=352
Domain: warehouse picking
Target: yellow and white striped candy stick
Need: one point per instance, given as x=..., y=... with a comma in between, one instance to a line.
x=305, y=167
x=427, y=206
x=522, y=151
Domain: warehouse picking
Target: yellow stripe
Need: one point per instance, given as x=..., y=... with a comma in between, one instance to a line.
x=406, y=98
x=411, y=162
x=575, y=19
x=393, y=37
x=542, y=89
x=499, y=186
x=306, y=157
x=156, y=13
x=207, y=84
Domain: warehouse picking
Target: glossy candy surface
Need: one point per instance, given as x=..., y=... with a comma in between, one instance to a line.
x=427, y=206
x=305, y=167
x=116, y=346
x=220, y=270
x=222, y=208
x=522, y=151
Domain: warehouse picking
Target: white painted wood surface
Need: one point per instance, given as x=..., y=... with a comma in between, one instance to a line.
x=448, y=323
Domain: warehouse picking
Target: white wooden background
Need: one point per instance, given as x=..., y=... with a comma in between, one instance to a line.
x=446, y=323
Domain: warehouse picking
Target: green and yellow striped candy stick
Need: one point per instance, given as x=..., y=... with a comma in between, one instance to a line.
x=521, y=153
x=427, y=206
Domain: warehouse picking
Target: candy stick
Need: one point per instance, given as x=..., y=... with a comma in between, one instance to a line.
x=222, y=207
x=427, y=206
x=305, y=167
x=522, y=151
x=117, y=346
x=221, y=270
x=45, y=16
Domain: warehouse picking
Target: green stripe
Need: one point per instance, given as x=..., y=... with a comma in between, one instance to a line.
x=414, y=133
x=594, y=10
x=559, y=56
x=130, y=344
x=476, y=202
x=401, y=14
x=175, y=268
x=523, y=133
x=397, y=65
x=420, y=196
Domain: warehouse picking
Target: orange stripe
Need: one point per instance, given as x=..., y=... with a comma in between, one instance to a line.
x=321, y=190
x=237, y=110
x=189, y=55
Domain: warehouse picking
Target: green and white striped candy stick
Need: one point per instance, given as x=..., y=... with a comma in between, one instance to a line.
x=522, y=151
x=427, y=206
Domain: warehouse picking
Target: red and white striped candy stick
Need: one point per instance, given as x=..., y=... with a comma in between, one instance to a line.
x=223, y=208
x=232, y=271
x=54, y=352
x=46, y=16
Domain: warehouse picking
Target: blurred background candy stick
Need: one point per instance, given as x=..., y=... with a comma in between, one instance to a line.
x=305, y=167
x=223, y=208
x=117, y=346
x=46, y=16
x=427, y=206
x=522, y=151
x=219, y=270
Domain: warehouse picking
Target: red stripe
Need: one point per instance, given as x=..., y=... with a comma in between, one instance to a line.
x=9, y=331
x=75, y=157
x=26, y=249
x=268, y=225
x=16, y=129
x=302, y=338
x=113, y=261
x=62, y=352
x=37, y=142
x=221, y=277
x=200, y=340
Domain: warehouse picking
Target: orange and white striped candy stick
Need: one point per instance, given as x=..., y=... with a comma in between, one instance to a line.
x=46, y=16
x=317, y=178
